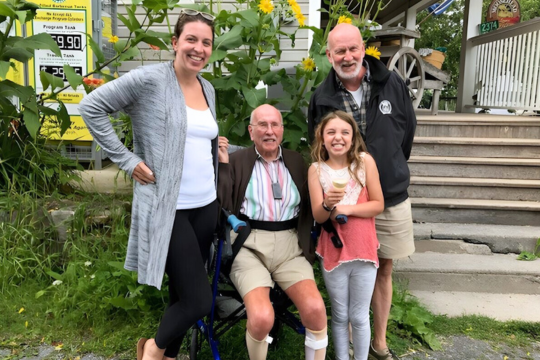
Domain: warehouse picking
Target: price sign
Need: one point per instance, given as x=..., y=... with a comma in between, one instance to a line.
x=67, y=22
x=59, y=70
x=489, y=26
x=68, y=41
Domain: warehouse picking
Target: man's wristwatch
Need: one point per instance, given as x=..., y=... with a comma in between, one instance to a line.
x=327, y=208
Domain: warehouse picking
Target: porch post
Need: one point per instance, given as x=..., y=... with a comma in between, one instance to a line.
x=472, y=17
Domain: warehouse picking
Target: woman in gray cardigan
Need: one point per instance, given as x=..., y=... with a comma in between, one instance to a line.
x=174, y=165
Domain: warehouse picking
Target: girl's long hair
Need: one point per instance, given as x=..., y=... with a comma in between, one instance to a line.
x=320, y=154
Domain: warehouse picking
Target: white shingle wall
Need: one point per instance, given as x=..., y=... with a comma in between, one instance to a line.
x=289, y=57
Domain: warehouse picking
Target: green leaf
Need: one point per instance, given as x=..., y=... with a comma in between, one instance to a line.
x=157, y=5
x=31, y=121
x=156, y=42
x=130, y=53
x=126, y=22
x=63, y=118
x=22, y=15
x=250, y=16
x=54, y=275
x=527, y=256
x=132, y=18
x=274, y=77
x=217, y=55
x=254, y=97
x=4, y=68
x=116, y=265
x=27, y=6
x=96, y=49
x=48, y=79
x=7, y=10
x=40, y=294
x=264, y=65
x=229, y=40
x=21, y=55
x=120, y=45
x=39, y=41
x=72, y=77
x=123, y=303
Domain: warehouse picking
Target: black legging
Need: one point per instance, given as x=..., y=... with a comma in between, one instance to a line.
x=190, y=294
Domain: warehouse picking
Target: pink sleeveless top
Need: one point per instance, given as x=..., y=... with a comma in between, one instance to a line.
x=358, y=234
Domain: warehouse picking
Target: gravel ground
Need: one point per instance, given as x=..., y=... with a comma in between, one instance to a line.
x=455, y=348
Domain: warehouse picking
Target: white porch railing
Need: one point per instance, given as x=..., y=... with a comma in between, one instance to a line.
x=507, y=67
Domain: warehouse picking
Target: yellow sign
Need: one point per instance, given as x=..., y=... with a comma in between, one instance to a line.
x=67, y=21
x=77, y=131
x=61, y=16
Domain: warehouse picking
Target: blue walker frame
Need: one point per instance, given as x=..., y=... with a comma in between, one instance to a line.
x=207, y=329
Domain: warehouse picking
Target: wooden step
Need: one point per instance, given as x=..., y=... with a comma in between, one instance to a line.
x=480, y=147
x=475, y=211
x=474, y=188
x=494, y=273
x=486, y=127
x=448, y=166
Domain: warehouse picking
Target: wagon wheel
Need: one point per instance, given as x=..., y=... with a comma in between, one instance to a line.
x=408, y=65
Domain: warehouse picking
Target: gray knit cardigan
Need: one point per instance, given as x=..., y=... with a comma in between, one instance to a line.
x=152, y=96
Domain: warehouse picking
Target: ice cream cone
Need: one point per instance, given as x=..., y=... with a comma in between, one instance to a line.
x=340, y=184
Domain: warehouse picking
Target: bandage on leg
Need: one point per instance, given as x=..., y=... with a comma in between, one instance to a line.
x=316, y=343
x=257, y=349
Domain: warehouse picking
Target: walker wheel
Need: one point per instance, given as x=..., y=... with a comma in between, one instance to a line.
x=195, y=344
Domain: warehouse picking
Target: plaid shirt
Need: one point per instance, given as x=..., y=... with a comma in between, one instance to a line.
x=359, y=113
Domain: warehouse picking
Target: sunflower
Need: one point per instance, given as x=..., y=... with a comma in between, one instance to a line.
x=266, y=6
x=301, y=19
x=343, y=19
x=297, y=12
x=373, y=51
x=308, y=64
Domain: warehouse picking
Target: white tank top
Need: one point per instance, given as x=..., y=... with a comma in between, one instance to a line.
x=197, y=187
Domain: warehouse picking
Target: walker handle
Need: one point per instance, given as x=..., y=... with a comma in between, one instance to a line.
x=235, y=223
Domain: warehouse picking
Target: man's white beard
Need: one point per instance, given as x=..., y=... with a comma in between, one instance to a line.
x=347, y=75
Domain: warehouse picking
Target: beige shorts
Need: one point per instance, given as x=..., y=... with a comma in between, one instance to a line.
x=395, y=231
x=269, y=256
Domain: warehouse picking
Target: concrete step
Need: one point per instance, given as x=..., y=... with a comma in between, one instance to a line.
x=502, y=307
x=474, y=188
x=502, y=168
x=473, y=238
x=451, y=247
x=480, y=147
x=497, y=273
x=479, y=127
x=467, y=211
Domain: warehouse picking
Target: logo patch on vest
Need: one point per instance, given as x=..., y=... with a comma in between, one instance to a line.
x=385, y=107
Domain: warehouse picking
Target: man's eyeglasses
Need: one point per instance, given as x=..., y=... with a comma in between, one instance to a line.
x=191, y=12
x=265, y=126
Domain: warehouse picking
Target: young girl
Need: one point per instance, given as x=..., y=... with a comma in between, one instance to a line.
x=349, y=272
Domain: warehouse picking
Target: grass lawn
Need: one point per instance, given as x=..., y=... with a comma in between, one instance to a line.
x=77, y=297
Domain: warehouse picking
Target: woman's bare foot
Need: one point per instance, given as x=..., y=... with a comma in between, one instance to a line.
x=151, y=351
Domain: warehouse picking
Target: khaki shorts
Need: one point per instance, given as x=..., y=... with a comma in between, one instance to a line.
x=395, y=231
x=269, y=256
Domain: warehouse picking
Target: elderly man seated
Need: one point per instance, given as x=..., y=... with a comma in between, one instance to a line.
x=268, y=184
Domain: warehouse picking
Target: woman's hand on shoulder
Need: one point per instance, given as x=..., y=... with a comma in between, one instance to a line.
x=223, y=149
x=143, y=175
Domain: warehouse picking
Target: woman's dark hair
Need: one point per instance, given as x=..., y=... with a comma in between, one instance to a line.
x=184, y=18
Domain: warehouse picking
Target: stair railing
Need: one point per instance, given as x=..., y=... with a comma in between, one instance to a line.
x=508, y=67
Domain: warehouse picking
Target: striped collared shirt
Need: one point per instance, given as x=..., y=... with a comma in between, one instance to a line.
x=259, y=203
x=358, y=111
